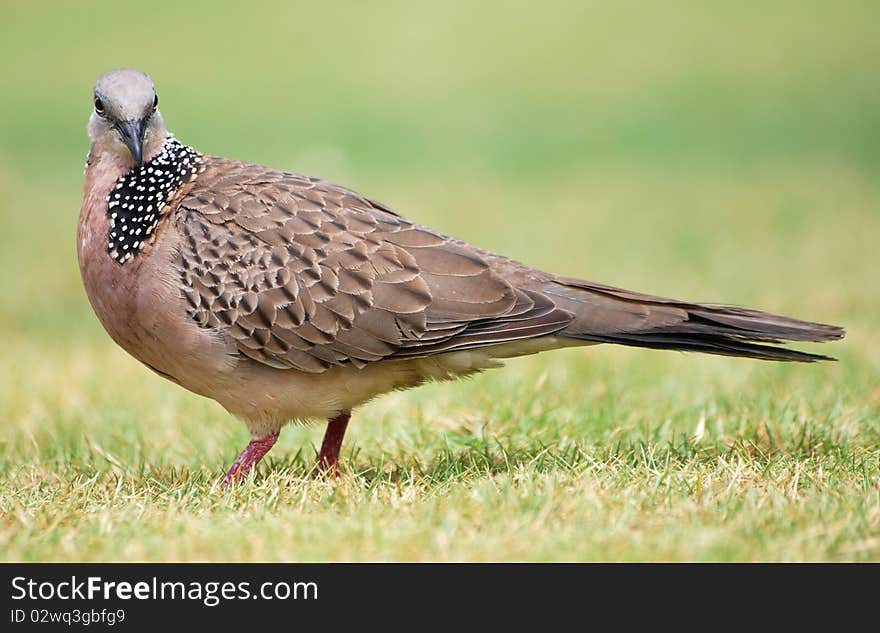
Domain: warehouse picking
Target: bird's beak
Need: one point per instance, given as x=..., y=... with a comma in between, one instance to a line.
x=133, y=134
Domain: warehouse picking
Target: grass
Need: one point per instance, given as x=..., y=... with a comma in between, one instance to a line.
x=709, y=151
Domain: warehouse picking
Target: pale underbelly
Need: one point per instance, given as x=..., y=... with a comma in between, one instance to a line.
x=266, y=398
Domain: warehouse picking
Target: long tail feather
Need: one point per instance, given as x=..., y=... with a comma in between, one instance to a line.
x=641, y=320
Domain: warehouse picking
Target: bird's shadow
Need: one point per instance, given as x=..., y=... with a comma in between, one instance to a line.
x=480, y=459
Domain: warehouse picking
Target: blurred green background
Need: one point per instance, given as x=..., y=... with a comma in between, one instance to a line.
x=717, y=151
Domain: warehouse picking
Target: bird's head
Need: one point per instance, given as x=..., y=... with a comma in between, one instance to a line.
x=126, y=121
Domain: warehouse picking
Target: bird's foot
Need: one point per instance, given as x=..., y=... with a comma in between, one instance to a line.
x=249, y=458
x=328, y=460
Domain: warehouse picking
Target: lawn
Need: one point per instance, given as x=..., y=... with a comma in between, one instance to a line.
x=721, y=151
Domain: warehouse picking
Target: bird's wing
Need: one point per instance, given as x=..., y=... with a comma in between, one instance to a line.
x=307, y=275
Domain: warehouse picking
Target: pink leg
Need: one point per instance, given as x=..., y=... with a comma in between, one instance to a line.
x=249, y=458
x=329, y=457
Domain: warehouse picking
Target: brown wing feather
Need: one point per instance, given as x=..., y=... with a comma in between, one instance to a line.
x=304, y=274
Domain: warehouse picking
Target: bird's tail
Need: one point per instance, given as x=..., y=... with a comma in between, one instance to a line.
x=612, y=315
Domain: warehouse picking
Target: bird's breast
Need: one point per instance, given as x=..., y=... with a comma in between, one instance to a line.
x=139, y=302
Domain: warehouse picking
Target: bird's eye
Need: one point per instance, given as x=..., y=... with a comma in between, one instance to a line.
x=155, y=102
x=99, y=106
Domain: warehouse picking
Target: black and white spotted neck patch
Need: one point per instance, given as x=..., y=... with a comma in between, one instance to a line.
x=137, y=201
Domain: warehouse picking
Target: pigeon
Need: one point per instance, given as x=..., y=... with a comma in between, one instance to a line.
x=288, y=298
